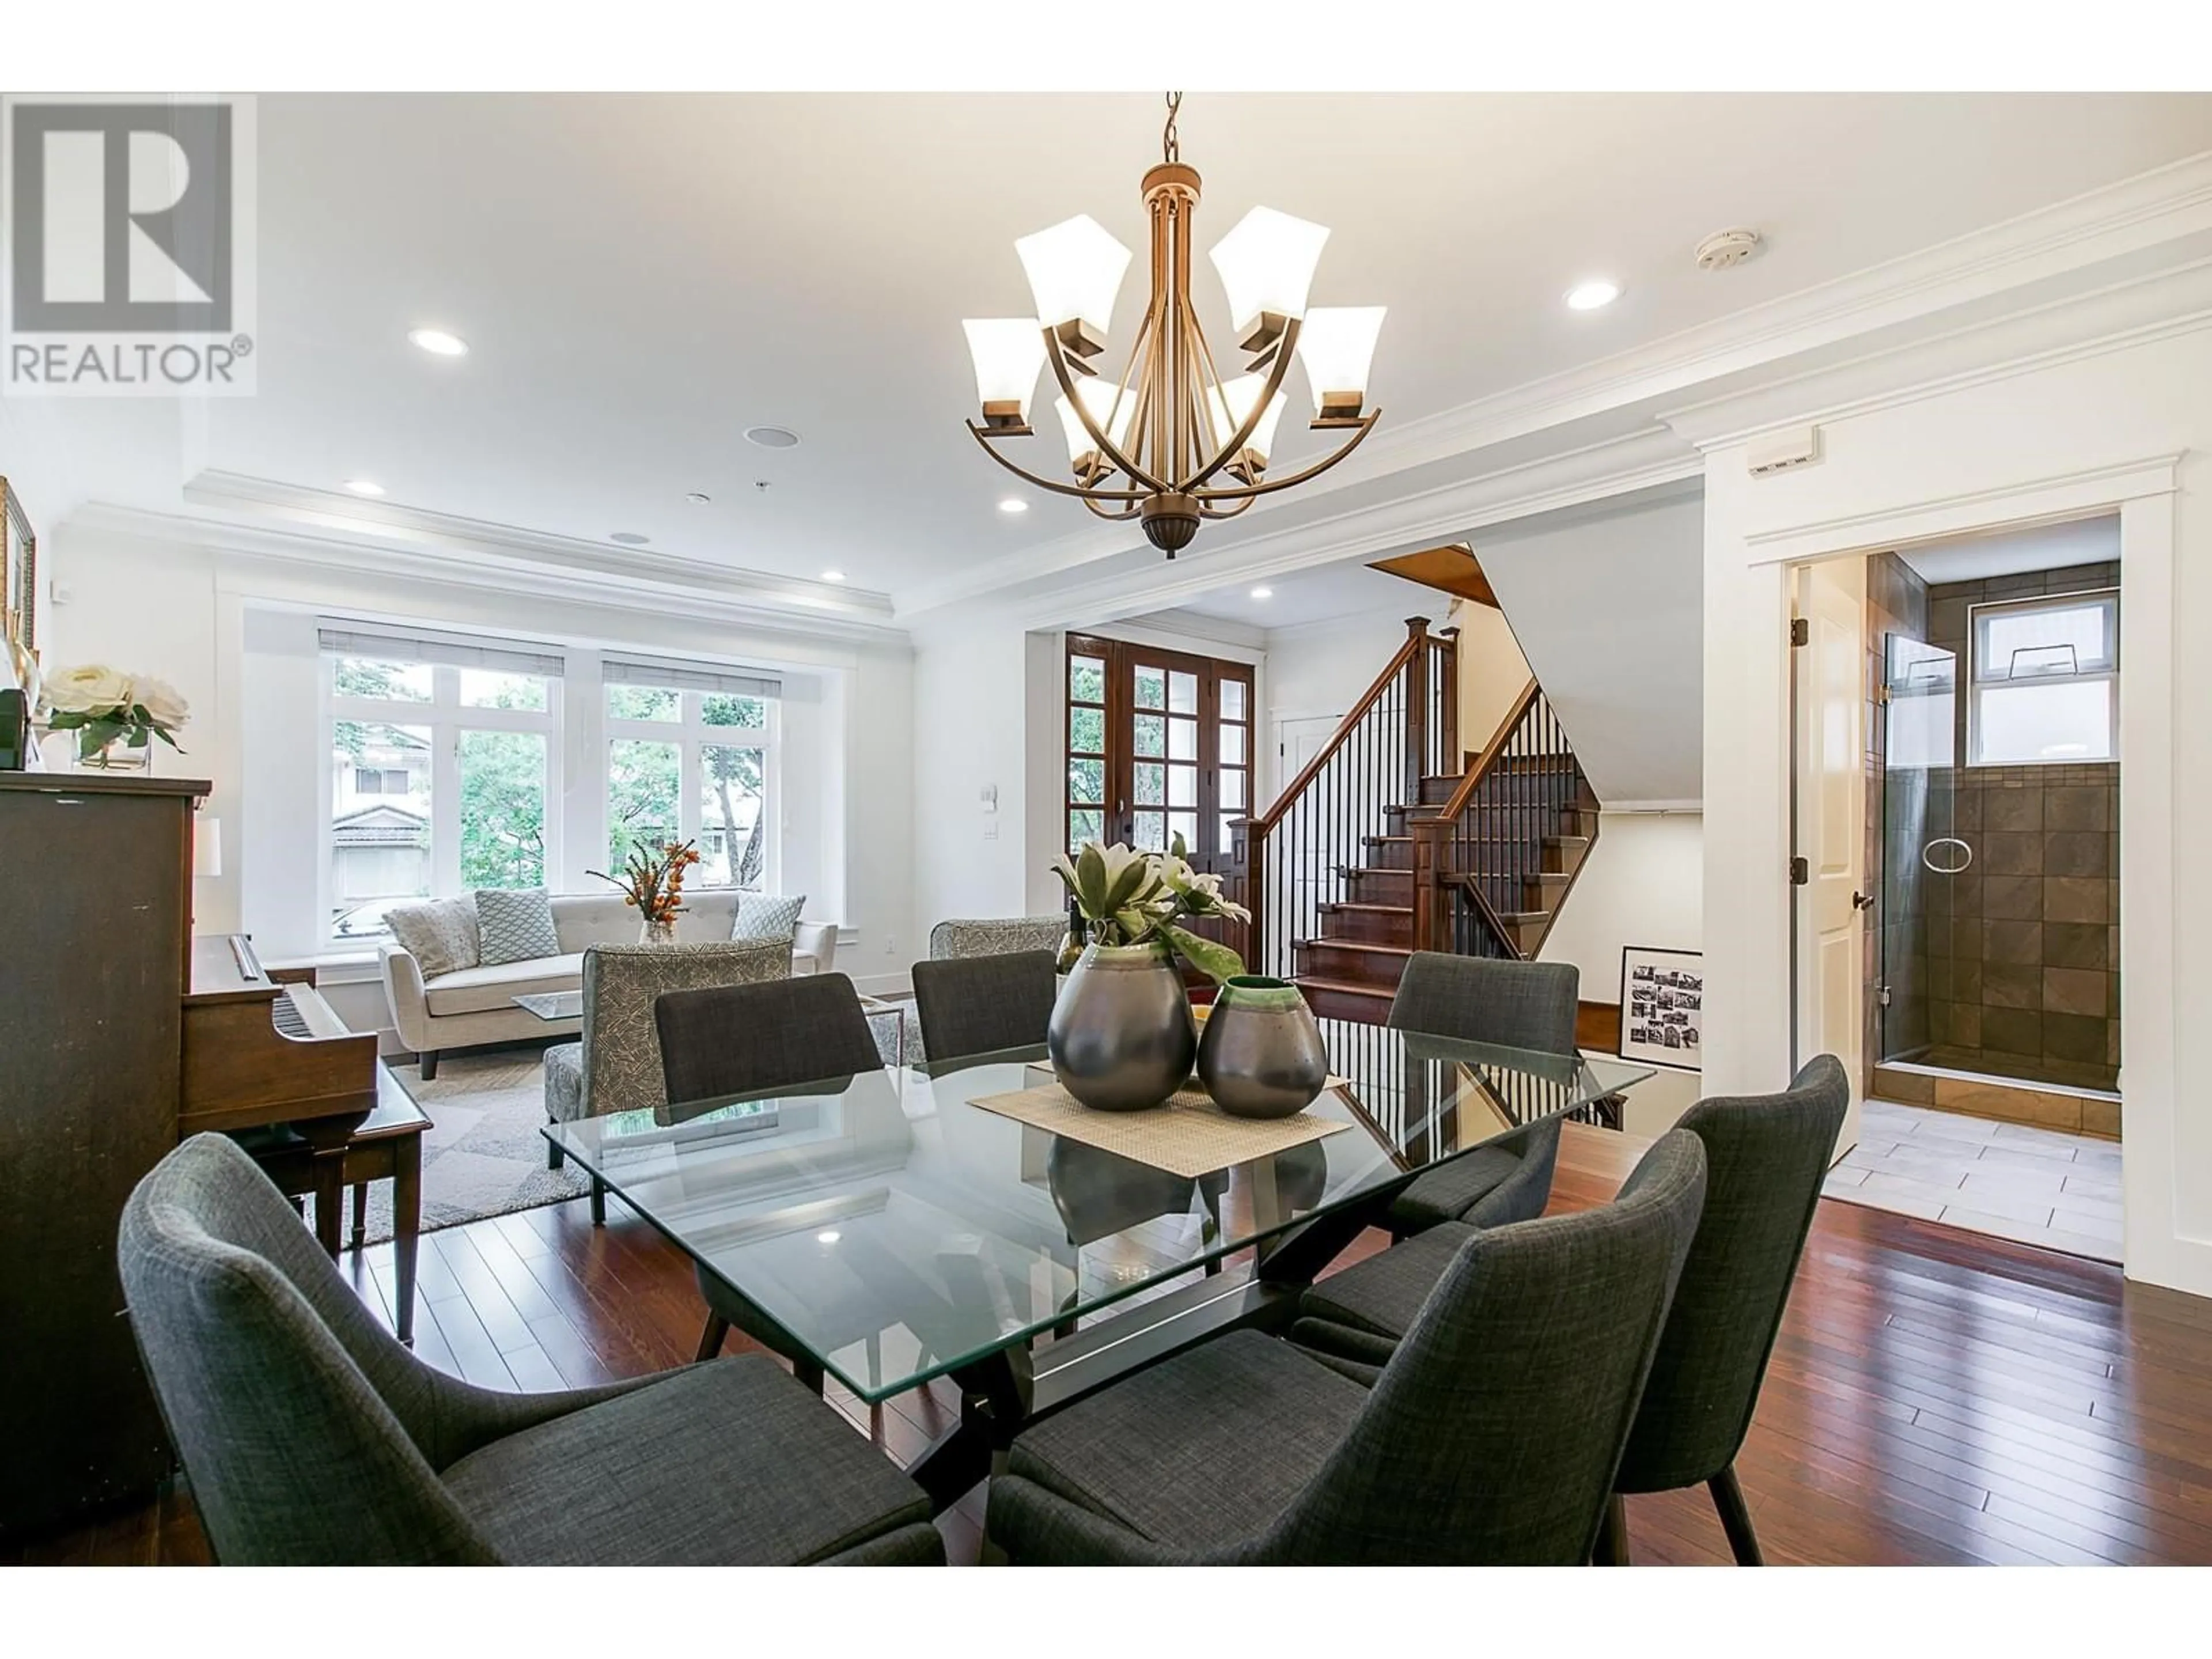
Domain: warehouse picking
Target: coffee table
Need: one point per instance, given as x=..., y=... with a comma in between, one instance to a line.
x=895, y=1232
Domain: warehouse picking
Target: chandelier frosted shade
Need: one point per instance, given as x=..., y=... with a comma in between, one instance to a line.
x=1266, y=267
x=1098, y=402
x=1337, y=346
x=1008, y=352
x=1075, y=271
x=1233, y=401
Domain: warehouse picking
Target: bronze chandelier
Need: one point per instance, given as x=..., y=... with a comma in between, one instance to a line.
x=1172, y=443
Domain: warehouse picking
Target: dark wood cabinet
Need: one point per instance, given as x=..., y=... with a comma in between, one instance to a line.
x=95, y=925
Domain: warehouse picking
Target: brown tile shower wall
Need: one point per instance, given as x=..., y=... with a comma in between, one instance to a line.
x=2022, y=950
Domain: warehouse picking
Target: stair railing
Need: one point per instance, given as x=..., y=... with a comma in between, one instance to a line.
x=1472, y=860
x=1285, y=862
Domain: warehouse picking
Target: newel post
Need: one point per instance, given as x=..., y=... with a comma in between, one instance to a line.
x=1417, y=709
x=1447, y=704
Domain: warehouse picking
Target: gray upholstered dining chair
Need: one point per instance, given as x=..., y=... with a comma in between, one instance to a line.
x=1515, y=1004
x=1766, y=1155
x=615, y=1066
x=984, y=1004
x=962, y=938
x=1492, y=1435
x=748, y=1039
x=311, y=1438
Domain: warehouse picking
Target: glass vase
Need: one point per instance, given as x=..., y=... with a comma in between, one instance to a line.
x=656, y=930
x=118, y=754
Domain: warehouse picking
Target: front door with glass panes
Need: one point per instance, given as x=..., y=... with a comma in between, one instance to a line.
x=1159, y=745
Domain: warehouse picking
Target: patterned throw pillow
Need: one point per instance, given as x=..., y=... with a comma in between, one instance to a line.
x=764, y=915
x=440, y=934
x=515, y=925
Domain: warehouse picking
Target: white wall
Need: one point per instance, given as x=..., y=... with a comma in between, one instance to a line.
x=234, y=631
x=1493, y=672
x=1642, y=883
x=2129, y=423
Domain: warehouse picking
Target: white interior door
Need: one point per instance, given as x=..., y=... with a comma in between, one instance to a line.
x=1831, y=679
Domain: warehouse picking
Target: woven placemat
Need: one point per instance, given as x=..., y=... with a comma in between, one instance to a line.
x=1188, y=1135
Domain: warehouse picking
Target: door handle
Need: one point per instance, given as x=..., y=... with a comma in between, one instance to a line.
x=1862, y=901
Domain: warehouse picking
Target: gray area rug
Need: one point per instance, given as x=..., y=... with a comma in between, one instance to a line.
x=483, y=1155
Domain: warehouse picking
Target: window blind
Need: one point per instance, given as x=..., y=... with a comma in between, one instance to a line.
x=690, y=676
x=341, y=639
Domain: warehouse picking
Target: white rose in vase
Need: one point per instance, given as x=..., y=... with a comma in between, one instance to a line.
x=93, y=688
x=162, y=703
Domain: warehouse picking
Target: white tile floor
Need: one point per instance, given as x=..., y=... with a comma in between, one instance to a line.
x=2038, y=1186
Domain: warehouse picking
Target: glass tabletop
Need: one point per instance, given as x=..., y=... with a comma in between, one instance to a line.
x=895, y=1230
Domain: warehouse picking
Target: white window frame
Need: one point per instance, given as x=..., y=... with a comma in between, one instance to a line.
x=1980, y=678
x=690, y=733
x=447, y=718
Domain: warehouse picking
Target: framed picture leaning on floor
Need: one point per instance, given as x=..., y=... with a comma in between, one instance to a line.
x=1663, y=1003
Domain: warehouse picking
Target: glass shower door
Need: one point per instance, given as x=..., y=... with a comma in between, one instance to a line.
x=1922, y=853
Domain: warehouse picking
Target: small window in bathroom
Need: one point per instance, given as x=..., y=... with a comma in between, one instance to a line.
x=2045, y=681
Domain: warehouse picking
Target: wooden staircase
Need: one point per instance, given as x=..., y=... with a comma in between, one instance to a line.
x=1366, y=859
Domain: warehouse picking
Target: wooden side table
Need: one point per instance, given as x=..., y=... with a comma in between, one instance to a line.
x=387, y=1147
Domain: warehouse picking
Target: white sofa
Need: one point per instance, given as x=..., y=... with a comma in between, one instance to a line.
x=475, y=1005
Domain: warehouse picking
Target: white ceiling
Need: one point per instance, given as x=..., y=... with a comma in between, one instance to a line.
x=2009, y=552
x=1319, y=594
x=642, y=277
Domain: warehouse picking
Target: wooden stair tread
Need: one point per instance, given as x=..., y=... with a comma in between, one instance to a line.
x=1343, y=987
x=1376, y=946
x=1362, y=904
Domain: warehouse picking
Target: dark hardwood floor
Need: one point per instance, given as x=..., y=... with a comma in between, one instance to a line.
x=1935, y=1396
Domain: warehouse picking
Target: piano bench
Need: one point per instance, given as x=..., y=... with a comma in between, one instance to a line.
x=387, y=1147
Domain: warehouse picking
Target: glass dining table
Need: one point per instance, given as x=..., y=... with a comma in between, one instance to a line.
x=891, y=1230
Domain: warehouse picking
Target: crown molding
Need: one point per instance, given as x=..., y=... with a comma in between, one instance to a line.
x=2143, y=212
x=326, y=519
x=1197, y=626
x=657, y=597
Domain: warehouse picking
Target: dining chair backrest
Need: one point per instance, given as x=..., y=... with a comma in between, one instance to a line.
x=620, y=1061
x=743, y=1039
x=1493, y=1433
x=984, y=1004
x=1766, y=1157
x=309, y=1434
x=1518, y=1004
x=995, y=936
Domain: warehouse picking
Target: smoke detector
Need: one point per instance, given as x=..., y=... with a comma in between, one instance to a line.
x=1724, y=248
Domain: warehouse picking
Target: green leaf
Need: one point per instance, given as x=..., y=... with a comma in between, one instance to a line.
x=1091, y=880
x=1133, y=879
x=1210, y=957
x=1179, y=848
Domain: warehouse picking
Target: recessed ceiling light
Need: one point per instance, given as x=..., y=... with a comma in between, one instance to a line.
x=1263, y=592
x=833, y=576
x=1588, y=296
x=829, y=1237
x=629, y=538
x=438, y=342
x=364, y=487
x=1013, y=504
x=698, y=498
x=772, y=437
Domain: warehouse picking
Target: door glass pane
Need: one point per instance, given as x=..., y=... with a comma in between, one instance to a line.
x=1152, y=688
x=503, y=808
x=1182, y=693
x=484, y=687
x=379, y=848
x=1923, y=704
x=644, y=702
x=1182, y=786
x=1087, y=781
x=1086, y=679
x=1232, y=700
x=1084, y=826
x=1186, y=825
x=1232, y=787
x=1182, y=740
x=1086, y=731
x=1151, y=784
x=1151, y=836
x=1233, y=746
x=732, y=825
x=1151, y=735
x=643, y=779
x=372, y=677
x=716, y=709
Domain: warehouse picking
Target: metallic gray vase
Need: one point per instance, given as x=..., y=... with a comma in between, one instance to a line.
x=1262, y=1054
x=1121, y=1036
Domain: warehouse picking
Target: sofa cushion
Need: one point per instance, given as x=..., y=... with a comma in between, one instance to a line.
x=440, y=934
x=767, y=915
x=493, y=987
x=515, y=925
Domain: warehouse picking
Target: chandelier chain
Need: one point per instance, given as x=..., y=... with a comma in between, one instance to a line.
x=1170, y=144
